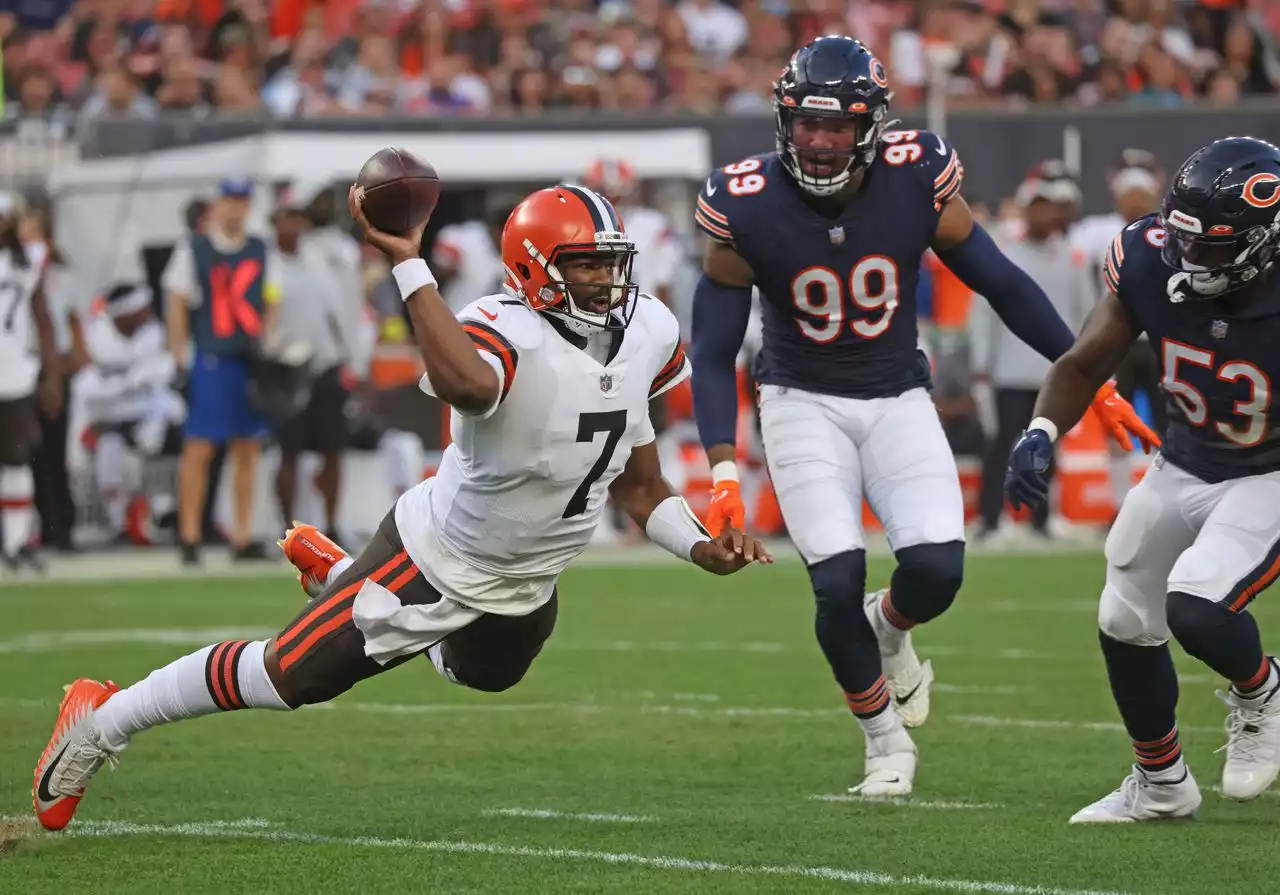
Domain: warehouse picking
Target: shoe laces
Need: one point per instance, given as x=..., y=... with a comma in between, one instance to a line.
x=1244, y=728
x=80, y=764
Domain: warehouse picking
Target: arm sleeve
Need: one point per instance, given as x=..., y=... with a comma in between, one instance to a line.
x=1013, y=295
x=720, y=315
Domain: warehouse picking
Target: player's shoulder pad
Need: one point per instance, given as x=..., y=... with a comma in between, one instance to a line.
x=929, y=157
x=727, y=192
x=1140, y=242
x=507, y=318
x=658, y=323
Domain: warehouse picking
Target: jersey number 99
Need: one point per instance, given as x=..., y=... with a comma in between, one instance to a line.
x=818, y=294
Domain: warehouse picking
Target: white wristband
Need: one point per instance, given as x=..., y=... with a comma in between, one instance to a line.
x=674, y=528
x=411, y=276
x=724, y=471
x=1044, y=425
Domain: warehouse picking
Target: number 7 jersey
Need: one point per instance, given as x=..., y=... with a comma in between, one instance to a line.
x=521, y=488
x=19, y=364
x=838, y=293
x=1218, y=362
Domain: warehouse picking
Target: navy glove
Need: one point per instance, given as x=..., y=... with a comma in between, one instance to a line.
x=1025, y=479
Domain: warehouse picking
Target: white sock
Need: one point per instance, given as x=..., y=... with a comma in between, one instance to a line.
x=889, y=636
x=882, y=724
x=109, y=458
x=17, y=488
x=337, y=569
x=436, y=655
x=1172, y=774
x=222, y=677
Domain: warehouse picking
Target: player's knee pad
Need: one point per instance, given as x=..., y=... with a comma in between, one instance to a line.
x=493, y=675
x=927, y=579
x=1226, y=641
x=1130, y=617
x=839, y=583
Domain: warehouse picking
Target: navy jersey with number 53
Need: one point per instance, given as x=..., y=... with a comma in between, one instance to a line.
x=1217, y=362
x=838, y=294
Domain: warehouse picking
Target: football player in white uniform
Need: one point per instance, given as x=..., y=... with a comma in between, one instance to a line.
x=122, y=402
x=656, y=242
x=550, y=388
x=22, y=312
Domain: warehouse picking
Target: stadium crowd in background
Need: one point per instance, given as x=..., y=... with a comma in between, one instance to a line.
x=74, y=60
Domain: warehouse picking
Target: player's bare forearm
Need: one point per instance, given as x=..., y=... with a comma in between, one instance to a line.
x=44, y=330
x=640, y=486
x=176, y=318
x=458, y=374
x=1075, y=377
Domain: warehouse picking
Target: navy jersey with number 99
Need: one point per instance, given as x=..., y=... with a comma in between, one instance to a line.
x=838, y=294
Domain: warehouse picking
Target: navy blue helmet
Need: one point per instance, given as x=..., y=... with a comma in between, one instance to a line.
x=838, y=94
x=1222, y=213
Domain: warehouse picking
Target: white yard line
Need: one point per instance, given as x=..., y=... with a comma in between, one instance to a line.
x=1045, y=724
x=548, y=814
x=92, y=638
x=250, y=828
x=683, y=710
x=904, y=803
x=53, y=641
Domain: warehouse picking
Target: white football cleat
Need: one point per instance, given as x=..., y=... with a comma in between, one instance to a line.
x=1253, y=744
x=1140, y=798
x=74, y=754
x=890, y=768
x=908, y=679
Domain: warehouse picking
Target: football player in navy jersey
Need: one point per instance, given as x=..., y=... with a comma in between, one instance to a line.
x=1199, y=537
x=831, y=228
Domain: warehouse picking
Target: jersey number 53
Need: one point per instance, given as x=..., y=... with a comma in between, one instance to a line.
x=818, y=294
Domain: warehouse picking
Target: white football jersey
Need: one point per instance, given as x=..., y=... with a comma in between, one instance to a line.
x=521, y=488
x=112, y=352
x=1093, y=236
x=658, y=249
x=468, y=250
x=19, y=360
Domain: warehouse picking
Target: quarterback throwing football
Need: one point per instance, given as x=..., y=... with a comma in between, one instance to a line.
x=550, y=388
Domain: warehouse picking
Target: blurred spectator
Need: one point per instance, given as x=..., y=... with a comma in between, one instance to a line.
x=130, y=58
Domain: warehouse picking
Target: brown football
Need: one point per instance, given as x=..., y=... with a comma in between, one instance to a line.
x=400, y=190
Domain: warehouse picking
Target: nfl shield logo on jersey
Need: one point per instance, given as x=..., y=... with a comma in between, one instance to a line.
x=606, y=382
x=837, y=235
x=1219, y=329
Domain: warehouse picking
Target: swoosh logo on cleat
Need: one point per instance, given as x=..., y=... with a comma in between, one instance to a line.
x=902, y=700
x=42, y=792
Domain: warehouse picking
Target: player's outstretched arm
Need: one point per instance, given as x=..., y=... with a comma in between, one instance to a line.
x=721, y=311
x=972, y=255
x=1070, y=388
x=458, y=375
x=642, y=492
x=1075, y=378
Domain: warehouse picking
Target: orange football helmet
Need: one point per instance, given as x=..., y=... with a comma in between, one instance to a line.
x=614, y=178
x=560, y=224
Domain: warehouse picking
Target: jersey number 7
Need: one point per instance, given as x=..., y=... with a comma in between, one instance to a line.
x=612, y=422
x=13, y=292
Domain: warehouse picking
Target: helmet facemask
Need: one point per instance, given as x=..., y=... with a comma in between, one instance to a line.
x=591, y=286
x=1213, y=265
x=843, y=162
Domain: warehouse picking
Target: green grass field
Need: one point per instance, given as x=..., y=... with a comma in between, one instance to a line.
x=677, y=735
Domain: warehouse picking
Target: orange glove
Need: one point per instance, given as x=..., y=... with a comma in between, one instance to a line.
x=1120, y=420
x=727, y=509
